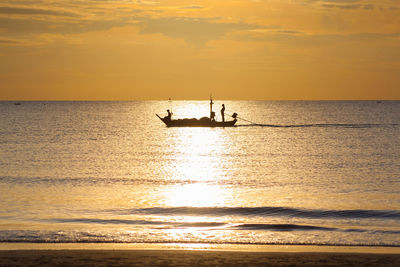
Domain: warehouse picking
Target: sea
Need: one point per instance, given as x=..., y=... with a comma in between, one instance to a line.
x=312, y=173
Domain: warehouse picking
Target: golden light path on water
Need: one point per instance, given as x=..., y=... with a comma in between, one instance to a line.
x=199, y=163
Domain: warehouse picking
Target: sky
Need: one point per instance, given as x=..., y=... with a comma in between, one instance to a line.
x=244, y=49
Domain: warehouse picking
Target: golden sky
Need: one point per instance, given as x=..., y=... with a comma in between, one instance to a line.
x=244, y=49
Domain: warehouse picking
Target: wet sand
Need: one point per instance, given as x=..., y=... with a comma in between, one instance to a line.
x=190, y=258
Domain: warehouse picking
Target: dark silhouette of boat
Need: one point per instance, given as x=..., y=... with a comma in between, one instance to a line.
x=203, y=122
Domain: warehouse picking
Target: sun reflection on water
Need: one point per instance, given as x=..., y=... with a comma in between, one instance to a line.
x=195, y=195
x=199, y=165
x=198, y=155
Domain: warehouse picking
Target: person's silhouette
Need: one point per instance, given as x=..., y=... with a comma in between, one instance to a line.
x=169, y=114
x=223, y=112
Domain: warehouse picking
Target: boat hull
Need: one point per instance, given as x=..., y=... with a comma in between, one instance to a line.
x=203, y=122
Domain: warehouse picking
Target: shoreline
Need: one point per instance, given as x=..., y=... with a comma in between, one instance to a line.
x=148, y=257
x=201, y=247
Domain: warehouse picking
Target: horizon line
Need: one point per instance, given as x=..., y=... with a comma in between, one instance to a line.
x=193, y=99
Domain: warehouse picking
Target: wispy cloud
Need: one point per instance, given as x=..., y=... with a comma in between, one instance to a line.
x=18, y=26
x=292, y=37
x=6, y=10
x=9, y=42
x=192, y=7
x=349, y=6
x=193, y=30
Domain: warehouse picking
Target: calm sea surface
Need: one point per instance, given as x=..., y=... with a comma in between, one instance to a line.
x=312, y=173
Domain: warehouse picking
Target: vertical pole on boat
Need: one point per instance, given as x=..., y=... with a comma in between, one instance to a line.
x=169, y=102
x=211, y=103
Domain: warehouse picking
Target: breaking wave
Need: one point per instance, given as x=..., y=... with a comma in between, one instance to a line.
x=267, y=211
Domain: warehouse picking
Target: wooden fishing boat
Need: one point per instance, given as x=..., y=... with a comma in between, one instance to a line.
x=203, y=122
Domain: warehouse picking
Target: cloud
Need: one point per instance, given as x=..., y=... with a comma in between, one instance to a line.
x=5, y=10
x=334, y=1
x=289, y=32
x=340, y=1
x=192, y=7
x=297, y=38
x=193, y=30
x=370, y=36
x=21, y=26
x=343, y=4
x=349, y=6
x=196, y=31
x=68, y=17
x=9, y=42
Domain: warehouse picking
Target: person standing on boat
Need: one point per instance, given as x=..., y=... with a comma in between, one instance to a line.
x=223, y=113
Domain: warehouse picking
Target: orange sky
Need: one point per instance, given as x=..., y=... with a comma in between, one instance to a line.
x=253, y=49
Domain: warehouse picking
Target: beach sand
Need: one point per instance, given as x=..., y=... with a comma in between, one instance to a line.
x=190, y=258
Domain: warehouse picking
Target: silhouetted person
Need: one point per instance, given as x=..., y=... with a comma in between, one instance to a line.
x=223, y=112
x=211, y=103
x=212, y=116
x=169, y=114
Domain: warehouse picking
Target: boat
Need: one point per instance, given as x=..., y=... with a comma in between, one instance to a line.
x=203, y=122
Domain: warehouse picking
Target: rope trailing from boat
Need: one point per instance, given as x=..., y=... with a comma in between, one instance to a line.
x=246, y=120
x=252, y=122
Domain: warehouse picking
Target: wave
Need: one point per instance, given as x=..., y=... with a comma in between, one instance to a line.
x=36, y=236
x=296, y=227
x=135, y=222
x=213, y=225
x=218, y=225
x=266, y=212
x=323, y=125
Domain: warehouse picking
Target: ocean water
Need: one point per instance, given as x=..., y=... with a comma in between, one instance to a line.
x=294, y=173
